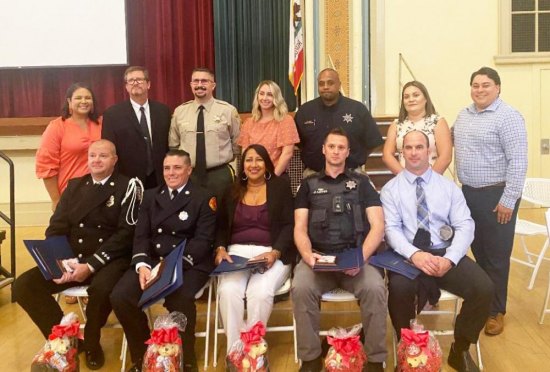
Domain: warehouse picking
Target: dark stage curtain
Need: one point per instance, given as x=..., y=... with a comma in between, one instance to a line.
x=169, y=37
x=251, y=39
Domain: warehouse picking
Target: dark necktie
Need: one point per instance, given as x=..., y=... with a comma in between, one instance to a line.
x=200, y=156
x=422, y=213
x=174, y=194
x=147, y=137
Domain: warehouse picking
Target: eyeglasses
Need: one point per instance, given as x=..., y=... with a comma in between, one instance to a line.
x=200, y=81
x=135, y=81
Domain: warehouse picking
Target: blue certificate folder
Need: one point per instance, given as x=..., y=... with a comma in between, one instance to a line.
x=171, y=278
x=239, y=263
x=345, y=260
x=47, y=254
x=392, y=261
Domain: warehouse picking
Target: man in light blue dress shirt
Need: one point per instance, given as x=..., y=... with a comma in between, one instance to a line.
x=490, y=142
x=448, y=232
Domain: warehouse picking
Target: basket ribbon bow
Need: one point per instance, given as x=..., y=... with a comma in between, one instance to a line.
x=347, y=347
x=411, y=337
x=164, y=336
x=69, y=330
x=253, y=336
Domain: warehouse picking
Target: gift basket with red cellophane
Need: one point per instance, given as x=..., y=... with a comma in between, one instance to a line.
x=346, y=351
x=249, y=353
x=418, y=350
x=60, y=353
x=164, y=353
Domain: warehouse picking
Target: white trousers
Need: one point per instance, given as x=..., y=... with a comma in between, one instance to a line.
x=258, y=289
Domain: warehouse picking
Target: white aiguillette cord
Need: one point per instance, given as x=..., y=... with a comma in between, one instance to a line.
x=134, y=193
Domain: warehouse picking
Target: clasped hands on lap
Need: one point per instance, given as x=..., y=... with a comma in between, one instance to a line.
x=431, y=265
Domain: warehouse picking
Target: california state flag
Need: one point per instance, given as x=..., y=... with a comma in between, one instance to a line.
x=296, y=45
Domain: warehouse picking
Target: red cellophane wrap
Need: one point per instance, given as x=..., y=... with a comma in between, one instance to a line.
x=164, y=353
x=249, y=353
x=60, y=353
x=346, y=351
x=418, y=351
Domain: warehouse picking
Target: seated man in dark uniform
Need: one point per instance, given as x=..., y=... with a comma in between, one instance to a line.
x=336, y=209
x=92, y=216
x=168, y=215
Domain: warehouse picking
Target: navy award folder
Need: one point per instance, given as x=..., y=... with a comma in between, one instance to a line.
x=49, y=253
x=239, y=263
x=392, y=261
x=171, y=278
x=347, y=259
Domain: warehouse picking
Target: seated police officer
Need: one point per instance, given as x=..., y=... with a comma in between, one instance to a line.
x=169, y=214
x=428, y=222
x=92, y=216
x=335, y=209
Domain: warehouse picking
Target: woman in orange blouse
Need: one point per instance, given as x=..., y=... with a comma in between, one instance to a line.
x=270, y=126
x=63, y=150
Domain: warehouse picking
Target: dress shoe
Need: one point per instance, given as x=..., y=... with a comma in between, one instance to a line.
x=135, y=368
x=95, y=359
x=190, y=365
x=494, y=325
x=461, y=360
x=373, y=367
x=315, y=365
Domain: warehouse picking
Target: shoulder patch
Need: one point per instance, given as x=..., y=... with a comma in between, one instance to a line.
x=212, y=203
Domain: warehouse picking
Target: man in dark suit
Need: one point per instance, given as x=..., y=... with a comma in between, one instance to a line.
x=139, y=129
x=92, y=216
x=169, y=214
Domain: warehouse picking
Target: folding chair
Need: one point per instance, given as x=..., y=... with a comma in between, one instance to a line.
x=545, y=310
x=536, y=191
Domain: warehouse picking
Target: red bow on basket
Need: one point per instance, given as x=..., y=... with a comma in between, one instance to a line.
x=347, y=347
x=253, y=336
x=70, y=330
x=164, y=336
x=418, y=338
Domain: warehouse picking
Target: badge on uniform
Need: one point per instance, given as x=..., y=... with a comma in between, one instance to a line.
x=217, y=119
x=111, y=201
x=212, y=203
x=320, y=191
x=347, y=118
x=183, y=216
x=351, y=185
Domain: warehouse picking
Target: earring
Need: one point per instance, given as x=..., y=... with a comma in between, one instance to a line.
x=267, y=176
x=244, y=178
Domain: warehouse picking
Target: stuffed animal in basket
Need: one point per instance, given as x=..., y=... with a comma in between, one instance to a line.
x=164, y=353
x=418, y=352
x=60, y=352
x=249, y=353
x=346, y=352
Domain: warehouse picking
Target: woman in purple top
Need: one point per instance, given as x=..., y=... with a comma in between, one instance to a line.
x=255, y=221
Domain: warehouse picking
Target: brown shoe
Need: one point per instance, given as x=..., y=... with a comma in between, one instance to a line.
x=494, y=325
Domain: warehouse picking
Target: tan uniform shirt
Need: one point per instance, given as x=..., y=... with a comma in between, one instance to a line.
x=221, y=125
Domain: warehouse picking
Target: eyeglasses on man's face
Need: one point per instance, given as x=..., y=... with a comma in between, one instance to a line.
x=200, y=81
x=135, y=81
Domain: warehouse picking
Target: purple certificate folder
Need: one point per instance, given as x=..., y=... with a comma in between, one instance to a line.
x=392, y=261
x=48, y=253
x=239, y=264
x=347, y=259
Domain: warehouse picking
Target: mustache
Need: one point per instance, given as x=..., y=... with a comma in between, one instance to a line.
x=200, y=88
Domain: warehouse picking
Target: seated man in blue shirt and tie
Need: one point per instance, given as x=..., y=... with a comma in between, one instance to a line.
x=429, y=223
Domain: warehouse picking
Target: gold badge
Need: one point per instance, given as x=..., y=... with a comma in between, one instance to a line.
x=213, y=204
x=111, y=201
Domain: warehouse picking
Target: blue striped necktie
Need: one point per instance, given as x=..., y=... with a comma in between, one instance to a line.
x=422, y=212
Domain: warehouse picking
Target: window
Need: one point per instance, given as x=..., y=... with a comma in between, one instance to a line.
x=524, y=31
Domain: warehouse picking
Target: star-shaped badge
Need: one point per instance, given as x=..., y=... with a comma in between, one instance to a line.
x=351, y=185
x=348, y=118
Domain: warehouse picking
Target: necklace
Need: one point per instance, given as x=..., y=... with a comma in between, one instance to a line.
x=253, y=197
